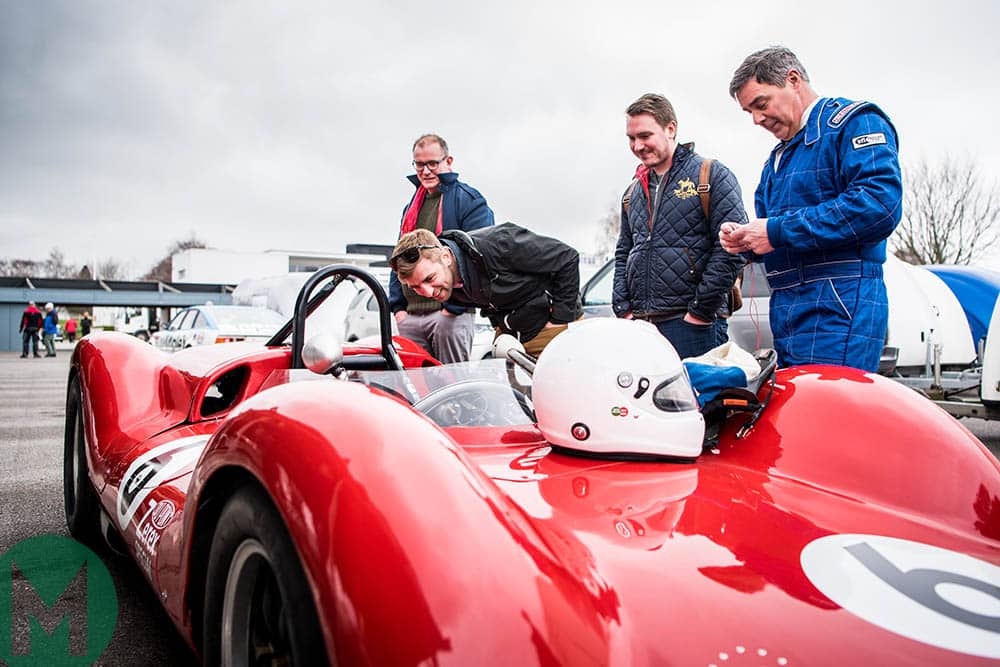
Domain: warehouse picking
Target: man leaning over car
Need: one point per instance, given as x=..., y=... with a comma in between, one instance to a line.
x=526, y=284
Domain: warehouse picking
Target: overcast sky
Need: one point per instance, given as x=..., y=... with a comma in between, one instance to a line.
x=125, y=126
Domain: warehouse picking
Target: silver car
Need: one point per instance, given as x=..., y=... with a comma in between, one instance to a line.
x=749, y=327
x=209, y=324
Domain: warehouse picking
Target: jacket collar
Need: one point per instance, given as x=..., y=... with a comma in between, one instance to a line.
x=681, y=153
x=447, y=179
x=472, y=271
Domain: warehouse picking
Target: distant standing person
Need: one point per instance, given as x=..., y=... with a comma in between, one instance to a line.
x=71, y=329
x=441, y=202
x=50, y=327
x=829, y=196
x=669, y=266
x=85, y=324
x=31, y=322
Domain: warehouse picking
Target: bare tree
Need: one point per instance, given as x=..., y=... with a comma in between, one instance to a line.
x=163, y=269
x=12, y=266
x=112, y=269
x=608, y=228
x=949, y=215
x=54, y=266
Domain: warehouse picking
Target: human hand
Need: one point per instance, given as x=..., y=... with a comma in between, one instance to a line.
x=726, y=236
x=448, y=313
x=627, y=315
x=691, y=319
x=750, y=237
x=400, y=316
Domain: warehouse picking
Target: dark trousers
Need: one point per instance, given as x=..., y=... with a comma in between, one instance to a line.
x=29, y=335
x=692, y=340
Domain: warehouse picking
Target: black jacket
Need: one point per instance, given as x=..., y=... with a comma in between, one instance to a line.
x=519, y=279
x=31, y=320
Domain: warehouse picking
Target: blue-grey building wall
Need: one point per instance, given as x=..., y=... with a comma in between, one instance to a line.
x=13, y=301
x=10, y=320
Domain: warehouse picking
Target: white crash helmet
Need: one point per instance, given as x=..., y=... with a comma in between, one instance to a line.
x=611, y=386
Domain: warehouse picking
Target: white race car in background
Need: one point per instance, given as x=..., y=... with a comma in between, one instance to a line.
x=362, y=322
x=210, y=324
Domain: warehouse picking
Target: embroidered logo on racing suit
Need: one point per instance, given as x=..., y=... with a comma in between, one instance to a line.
x=868, y=139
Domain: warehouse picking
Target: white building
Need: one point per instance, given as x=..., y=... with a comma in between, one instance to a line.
x=208, y=265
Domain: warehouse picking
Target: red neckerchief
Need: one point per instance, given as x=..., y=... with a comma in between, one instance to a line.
x=410, y=217
x=642, y=173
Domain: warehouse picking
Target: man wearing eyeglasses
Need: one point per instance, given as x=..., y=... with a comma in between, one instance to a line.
x=526, y=284
x=441, y=202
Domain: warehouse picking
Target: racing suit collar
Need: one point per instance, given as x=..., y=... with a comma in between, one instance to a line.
x=811, y=120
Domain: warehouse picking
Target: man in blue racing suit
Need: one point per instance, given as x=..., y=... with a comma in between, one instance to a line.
x=829, y=196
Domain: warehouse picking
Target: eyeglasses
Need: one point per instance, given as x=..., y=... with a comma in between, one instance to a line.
x=430, y=164
x=410, y=255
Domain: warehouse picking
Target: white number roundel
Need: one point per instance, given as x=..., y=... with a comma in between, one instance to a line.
x=928, y=594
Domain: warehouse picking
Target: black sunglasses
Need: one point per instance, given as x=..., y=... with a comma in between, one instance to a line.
x=411, y=255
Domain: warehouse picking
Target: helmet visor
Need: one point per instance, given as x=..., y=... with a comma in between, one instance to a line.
x=675, y=394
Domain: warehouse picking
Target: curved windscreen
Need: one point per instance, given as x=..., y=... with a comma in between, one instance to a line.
x=475, y=393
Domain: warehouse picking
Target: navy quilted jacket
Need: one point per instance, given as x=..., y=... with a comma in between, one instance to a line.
x=677, y=264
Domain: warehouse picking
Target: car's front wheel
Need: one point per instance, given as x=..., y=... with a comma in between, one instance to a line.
x=258, y=605
x=79, y=498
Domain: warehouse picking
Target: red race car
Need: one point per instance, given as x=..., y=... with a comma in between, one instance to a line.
x=307, y=502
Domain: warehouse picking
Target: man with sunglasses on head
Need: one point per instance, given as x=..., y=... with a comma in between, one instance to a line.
x=526, y=284
x=441, y=202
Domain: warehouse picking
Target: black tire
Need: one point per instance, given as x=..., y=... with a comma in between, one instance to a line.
x=258, y=605
x=79, y=498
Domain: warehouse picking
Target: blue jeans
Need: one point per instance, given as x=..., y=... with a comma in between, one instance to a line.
x=692, y=340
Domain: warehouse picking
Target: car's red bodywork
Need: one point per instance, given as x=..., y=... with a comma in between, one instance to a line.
x=483, y=546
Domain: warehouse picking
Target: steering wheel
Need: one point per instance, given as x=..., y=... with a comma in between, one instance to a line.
x=476, y=403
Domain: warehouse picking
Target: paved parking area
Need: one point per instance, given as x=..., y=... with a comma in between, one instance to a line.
x=32, y=410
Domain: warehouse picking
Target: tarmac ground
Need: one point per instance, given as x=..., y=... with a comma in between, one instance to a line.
x=32, y=412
